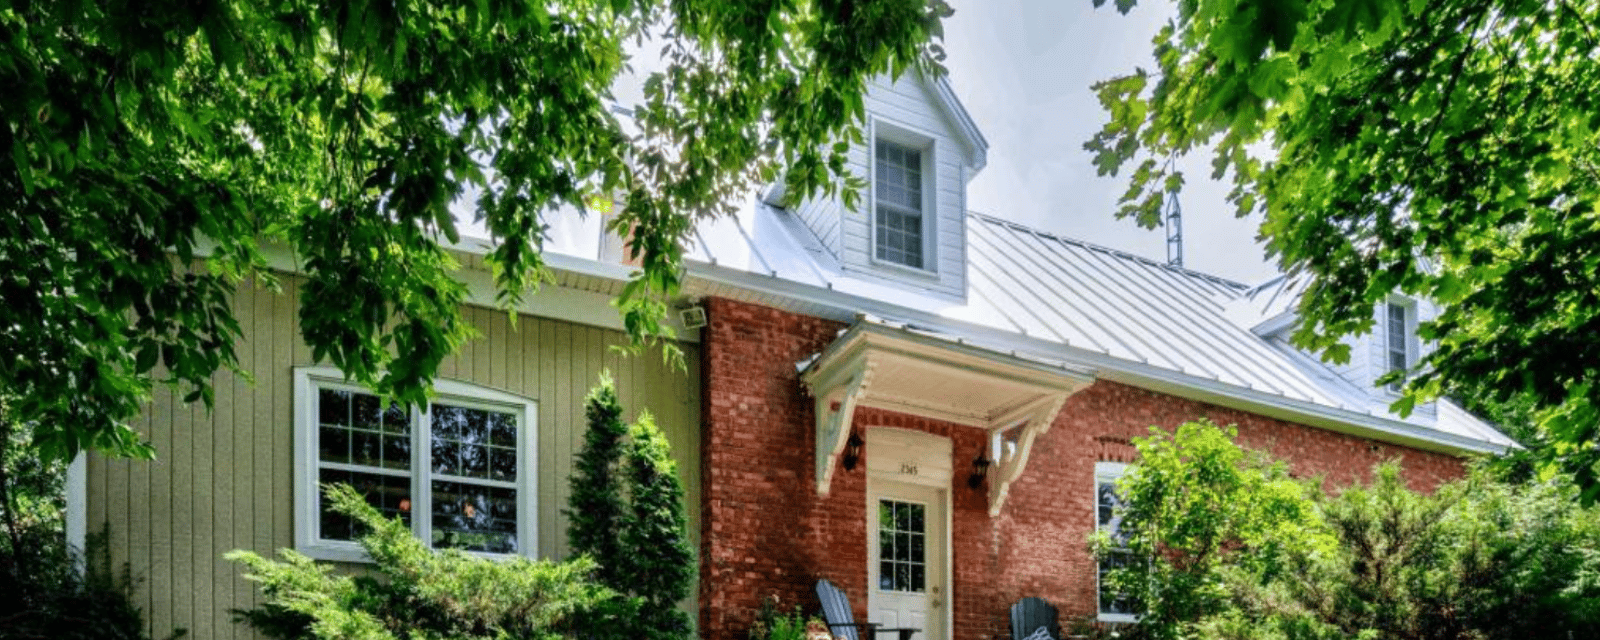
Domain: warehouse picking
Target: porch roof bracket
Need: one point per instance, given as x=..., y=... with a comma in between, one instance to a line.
x=1036, y=419
x=835, y=406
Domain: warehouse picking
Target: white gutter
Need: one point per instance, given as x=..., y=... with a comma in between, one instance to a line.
x=843, y=307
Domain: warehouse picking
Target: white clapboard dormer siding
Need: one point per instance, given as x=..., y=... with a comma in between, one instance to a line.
x=920, y=150
x=1393, y=335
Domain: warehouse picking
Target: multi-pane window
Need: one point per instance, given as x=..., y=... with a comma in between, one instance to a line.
x=1114, y=606
x=367, y=445
x=1398, y=340
x=902, y=546
x=474, y=485
x=458, y=472
x=898, y=226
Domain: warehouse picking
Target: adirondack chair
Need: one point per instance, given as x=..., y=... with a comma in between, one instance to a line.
x=841, y=620
x=1029, y=614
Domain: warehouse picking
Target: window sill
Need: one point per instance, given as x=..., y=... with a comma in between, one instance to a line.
x=341, y=551
x=334, y=551
x=897, y=269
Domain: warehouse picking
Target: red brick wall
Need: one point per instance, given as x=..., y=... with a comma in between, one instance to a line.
x=766, y=532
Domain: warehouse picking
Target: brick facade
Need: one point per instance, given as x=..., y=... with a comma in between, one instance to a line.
x=767, y=532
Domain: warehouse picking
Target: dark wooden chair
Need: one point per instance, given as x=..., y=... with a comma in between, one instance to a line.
x=1028, y=614
x=842, y=620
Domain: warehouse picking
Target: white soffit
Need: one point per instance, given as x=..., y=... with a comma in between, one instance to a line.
x=876, y=365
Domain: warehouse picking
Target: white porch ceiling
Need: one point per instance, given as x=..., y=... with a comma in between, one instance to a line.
x=873, y=364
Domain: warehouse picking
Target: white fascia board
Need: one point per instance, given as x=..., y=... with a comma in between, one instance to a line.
x=1039, y=377
x=843, y=307
x=551, y=301
x=979, y=146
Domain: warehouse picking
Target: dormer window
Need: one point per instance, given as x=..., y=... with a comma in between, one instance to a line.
x=1398, y=328
x=900, y=228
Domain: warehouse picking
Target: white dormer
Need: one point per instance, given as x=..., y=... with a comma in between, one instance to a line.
x=1392, y=344
x=910, y=230
x=1395, y=338
x=1268, y=310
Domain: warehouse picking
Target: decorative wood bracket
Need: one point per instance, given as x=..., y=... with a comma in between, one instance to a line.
x=836, y=406
x=1036, y=418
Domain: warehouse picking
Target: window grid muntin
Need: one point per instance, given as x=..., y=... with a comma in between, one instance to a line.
x=1111, y=603
x=1398, y=340
x=375, y=481
x=902, y=546
x=417, y=475
x=1110, y=606
x=897, y=225
x=481, y=511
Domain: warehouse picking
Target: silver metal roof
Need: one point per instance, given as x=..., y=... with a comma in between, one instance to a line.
x=1128, y=317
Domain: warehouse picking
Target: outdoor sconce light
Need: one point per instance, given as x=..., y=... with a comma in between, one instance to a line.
x=852, y=451
x=980, y=469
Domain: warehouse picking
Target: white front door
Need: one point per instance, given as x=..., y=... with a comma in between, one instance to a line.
x=906, y=557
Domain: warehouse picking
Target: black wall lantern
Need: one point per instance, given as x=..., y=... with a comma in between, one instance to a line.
x=852, y=451
x=980, y=470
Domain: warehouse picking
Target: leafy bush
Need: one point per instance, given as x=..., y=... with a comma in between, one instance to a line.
x=32, y=498
x=48, y=596
x=47, y=589
x=773, y=624
x=626, y=512
x=1200, y=507
x=1233, y=549
x=417, y=592
x=1475, y=559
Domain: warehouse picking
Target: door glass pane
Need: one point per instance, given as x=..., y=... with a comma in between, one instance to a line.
x=902, y=546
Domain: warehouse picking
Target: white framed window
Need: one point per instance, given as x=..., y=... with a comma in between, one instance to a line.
x=1112, y=606
x=1399, y=329
x=460, y=471
x=903, y=211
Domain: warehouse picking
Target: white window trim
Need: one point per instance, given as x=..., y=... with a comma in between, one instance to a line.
x=895, y=133
x=307, y=519
x=1413, y=345
x=1106, y=472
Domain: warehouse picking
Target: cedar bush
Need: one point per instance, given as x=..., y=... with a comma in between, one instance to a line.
x=417, y=592
x=663, y=565
x=626, y=512
x=597, y=508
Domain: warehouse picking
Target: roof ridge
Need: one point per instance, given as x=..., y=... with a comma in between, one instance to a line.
x=1240, y=287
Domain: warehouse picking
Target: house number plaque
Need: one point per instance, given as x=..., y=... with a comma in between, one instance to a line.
x=908, y=468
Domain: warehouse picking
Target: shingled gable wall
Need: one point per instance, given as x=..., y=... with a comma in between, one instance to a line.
x=766, y=532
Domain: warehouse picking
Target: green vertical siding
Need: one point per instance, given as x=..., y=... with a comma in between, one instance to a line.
x=223, y=479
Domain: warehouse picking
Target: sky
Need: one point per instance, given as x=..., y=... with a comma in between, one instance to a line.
x=1023, y=69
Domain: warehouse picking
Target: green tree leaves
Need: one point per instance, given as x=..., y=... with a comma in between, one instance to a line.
x=1440, y=149
x=140, y=137
x=1231, y=547
x=626, y=512
x=1197, y=507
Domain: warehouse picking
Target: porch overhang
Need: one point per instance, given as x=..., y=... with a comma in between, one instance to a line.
x=897, y=368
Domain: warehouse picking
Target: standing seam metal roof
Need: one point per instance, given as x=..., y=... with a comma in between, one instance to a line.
x=1083, y=296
